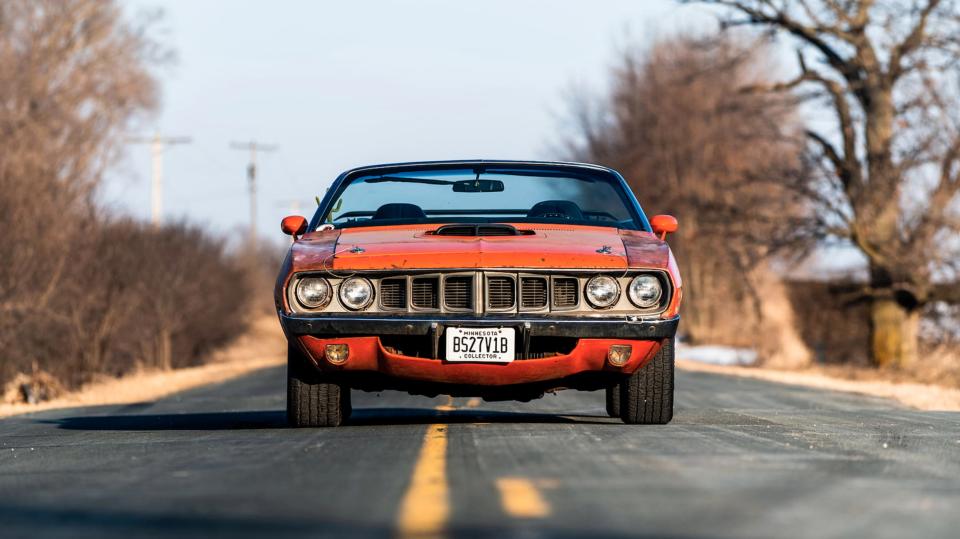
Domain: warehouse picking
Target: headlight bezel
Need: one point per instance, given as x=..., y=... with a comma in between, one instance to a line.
x=299, y=296
x=599, y=304
x=646, y=277
x=356, y=307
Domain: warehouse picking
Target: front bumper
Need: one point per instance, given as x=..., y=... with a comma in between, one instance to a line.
x=369, y=355
x=585, y=328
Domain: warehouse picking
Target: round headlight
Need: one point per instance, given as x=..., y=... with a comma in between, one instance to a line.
x=313, y=292
x=645, y=291
x=602, y=291
x=356, y=293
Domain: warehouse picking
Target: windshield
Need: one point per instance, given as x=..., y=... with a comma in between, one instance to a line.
x=488, y=195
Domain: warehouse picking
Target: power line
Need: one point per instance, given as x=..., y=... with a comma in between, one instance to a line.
x=253, y=147
x=157, y=145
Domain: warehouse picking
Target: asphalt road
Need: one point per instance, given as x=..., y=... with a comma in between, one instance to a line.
x=742, y=458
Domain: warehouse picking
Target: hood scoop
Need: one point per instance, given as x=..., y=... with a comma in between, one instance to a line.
x=479, y=230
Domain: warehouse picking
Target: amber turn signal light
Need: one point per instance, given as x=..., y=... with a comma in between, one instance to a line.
x=337, y=353
x=619, y=354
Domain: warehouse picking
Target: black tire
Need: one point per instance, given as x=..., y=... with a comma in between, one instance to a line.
x=314, y=398
x=646, y=398
x=613, y=401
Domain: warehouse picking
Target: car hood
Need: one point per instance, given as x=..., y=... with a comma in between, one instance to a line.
x=410, y=247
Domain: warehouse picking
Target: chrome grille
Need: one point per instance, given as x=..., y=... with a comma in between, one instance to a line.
x=393, y=293
x=424, y=293
x=533, y=292
x=565, y=292
x=458, y=292
x=501, y=293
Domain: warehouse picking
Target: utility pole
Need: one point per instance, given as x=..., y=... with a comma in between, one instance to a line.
x=157, y=145
x=253, y=147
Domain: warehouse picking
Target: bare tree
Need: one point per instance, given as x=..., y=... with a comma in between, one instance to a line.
x=690, y=143
x=72, y=75
x=891, y=161
x=82, y=292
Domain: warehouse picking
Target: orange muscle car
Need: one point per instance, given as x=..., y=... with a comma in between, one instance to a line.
x=497, y=279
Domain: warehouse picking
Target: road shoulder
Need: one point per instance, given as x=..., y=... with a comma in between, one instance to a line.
x=927, y=397
x=262, y=347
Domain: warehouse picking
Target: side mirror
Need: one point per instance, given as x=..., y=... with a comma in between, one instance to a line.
x=293, y=225
x=663, y=225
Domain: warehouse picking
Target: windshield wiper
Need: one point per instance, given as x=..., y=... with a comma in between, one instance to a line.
x=428, y=181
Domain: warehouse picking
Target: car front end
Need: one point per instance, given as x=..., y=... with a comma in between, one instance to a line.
x=494, y=307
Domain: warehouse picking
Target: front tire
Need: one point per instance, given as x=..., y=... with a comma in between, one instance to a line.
x=646, y=398
x=314, y=398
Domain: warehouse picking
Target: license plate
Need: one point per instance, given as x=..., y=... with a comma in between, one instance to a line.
x=487, y=345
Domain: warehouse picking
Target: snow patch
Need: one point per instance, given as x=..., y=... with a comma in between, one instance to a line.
x=717, y=355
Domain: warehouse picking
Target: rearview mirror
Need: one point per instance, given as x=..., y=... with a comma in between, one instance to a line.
x=478, y=186
x=663, y=225
x=293, y=225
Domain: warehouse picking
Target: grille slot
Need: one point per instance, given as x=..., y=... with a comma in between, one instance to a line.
x=533, y=292
x=565, y=292
x=393, y=293
x=424, y=293
x=458, y=292
x=501, y=293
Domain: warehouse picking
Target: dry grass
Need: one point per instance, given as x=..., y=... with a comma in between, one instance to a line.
x=922, y=396
x=263, y=346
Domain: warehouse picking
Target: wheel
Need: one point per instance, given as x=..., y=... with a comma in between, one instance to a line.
x=646, y=398
x=314, y=398
x=613, y=401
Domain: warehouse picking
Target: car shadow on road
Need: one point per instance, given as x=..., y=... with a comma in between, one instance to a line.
x=190, y=421
x=85, y=519
x=361, y=417
x=426, y=416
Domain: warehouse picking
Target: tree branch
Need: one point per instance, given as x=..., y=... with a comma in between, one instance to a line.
x=946, y=292
x=910, y=43
x=809, y=34
x=941, y=198
x=846, y=165
x=832, y=155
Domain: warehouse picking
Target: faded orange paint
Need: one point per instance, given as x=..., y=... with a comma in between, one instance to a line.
x=405, y=247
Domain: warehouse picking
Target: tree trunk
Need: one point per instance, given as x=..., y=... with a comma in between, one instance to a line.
x=893, y=333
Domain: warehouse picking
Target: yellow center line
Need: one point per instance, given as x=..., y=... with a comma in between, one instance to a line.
x=425, y=507
x=520, y=498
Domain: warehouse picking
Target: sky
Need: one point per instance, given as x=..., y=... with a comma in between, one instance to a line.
x=334, y=85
